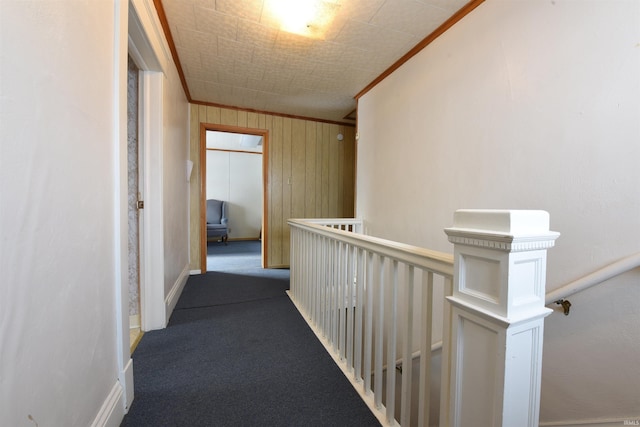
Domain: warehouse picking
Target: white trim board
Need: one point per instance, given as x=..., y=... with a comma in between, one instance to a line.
x=112, y=411
x=152, y=257
x=175, y=292
x=149, y=36
x=128, y=379
x=601, y=422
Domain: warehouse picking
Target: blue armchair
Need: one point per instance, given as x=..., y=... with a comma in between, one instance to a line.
x=217, y=220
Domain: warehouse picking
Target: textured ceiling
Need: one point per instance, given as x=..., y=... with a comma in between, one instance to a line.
x=233, y=53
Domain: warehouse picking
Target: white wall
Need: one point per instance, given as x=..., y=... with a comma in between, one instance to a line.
x=175, y=186
x=245, y=211
x=58, y=347
x=237, y=178
x=526, y=105
x=65, y=360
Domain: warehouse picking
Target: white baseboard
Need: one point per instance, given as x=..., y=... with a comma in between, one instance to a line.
x=127, y=376
x=194, y=272
x=602, y=422
x=176, y=290
x=112, y=411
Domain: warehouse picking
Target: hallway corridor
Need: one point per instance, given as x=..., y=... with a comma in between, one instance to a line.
x=236, y=352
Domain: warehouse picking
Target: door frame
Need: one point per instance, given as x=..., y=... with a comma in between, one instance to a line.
x=138, y=33
x=264, y=133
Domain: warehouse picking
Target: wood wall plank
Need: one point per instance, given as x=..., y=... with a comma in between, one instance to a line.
x=310, y=166
x=340, y=148
x=298, y=164
x=229, y=117
x=194, y=190
x=319, y=157
x=275, y=199
x=213, y=114
x=325, y=171
x=242, y=119
x=253, y=120
x=286, y=188
x=349, y=171
x=334, y=170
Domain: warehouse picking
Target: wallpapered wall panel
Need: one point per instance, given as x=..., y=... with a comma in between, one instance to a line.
x=310, y=174
x=132, y=178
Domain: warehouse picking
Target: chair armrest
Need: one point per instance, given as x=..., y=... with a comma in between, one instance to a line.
x=224, y=218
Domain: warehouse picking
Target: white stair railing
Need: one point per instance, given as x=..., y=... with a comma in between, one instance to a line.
x=344, y=224
x=371, y=302
x=330, y=268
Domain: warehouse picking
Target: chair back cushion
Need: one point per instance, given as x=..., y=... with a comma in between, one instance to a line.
x=214, y=211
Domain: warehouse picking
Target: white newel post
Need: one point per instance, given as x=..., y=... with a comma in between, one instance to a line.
x=497, y=312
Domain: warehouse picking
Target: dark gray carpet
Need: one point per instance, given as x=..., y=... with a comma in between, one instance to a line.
x=237, y=353
x=220, y=288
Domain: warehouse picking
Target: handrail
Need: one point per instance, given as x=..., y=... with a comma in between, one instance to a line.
x=345, y=224
x=605, y=273
x=342, y=221
x=438, y=262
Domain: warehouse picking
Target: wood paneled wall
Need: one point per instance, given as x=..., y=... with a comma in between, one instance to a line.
x=310, y=174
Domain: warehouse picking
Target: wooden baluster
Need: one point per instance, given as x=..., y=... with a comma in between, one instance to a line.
x=407, y=350
x=392, y=343
x=379, y=337
x=424, y=400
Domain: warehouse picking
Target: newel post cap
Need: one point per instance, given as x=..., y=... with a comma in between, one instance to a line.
x=506, y=229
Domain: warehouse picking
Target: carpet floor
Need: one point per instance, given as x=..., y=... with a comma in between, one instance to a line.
x=236, y=352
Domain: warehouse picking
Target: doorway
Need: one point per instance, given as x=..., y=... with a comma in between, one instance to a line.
x=233, y=154
x=133, y=196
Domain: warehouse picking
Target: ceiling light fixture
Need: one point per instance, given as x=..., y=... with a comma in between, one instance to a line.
x=308, y=18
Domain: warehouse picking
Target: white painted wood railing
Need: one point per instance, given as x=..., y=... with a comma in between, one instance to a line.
x=344, y=224
x=371, y=302
x=330, y=267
